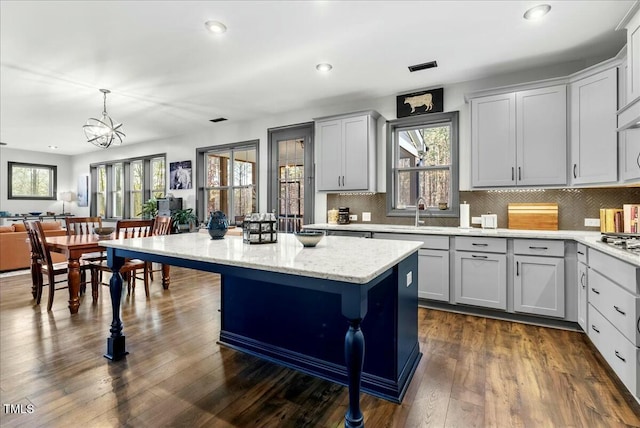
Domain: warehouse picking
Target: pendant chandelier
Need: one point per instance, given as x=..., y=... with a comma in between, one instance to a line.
x=104, y=131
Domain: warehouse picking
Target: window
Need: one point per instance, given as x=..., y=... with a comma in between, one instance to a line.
x=227, y=180
x=119, y=188
x=32, y=181
x=423, y=163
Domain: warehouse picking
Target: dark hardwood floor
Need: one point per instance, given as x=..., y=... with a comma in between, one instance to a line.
x=475, y=372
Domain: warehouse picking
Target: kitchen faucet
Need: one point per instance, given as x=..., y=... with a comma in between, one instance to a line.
x=418, y=210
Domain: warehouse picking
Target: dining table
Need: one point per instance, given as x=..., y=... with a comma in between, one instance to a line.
x=74, y=247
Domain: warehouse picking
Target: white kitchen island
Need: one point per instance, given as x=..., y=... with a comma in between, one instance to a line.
x=292, y=305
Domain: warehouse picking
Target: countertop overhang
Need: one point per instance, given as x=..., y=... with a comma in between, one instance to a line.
x=591, y=239
x=335, y=258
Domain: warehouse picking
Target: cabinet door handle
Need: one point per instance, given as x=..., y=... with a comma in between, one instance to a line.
x=478, y=257
x=539, y=248
x=338, y=181
x=594, y=290
x=513, y=172
x=479, y=245
x=593, y=327
x=517, y=268
x=581, y=253
x=619, y=311
x=519, y=174
x=582, y=280
x=575, y=165
x=638, y=159
x=343, y=181
x=620, y=356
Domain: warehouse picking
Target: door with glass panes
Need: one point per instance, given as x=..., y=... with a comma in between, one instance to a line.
x=291, y=176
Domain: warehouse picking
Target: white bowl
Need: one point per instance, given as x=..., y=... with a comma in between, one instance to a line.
x=309, y=238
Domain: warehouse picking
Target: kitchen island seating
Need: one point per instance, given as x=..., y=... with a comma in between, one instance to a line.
x=135, y=228
x=44, y=264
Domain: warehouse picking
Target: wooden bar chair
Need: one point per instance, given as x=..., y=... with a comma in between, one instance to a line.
x=45, y=266
x=135, y=228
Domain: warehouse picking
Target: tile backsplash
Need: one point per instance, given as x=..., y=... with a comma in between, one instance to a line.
x=574, y=205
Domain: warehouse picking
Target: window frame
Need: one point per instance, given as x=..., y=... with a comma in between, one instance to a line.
x=127, y=198
x=53, y=185
x=427, y=120
x=201, y=193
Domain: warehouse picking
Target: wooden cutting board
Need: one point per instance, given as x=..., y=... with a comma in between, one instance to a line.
x=533, y=216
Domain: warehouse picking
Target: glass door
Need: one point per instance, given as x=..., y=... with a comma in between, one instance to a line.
x=291, y=167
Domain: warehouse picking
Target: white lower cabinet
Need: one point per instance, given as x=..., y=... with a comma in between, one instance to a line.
x=433, y=263
x=434, y=282
x=614, y=315
x=582, y=295
x=582, y=285
x=622, y=355
x=480, y=276
x=538, y=285
x=538, y=277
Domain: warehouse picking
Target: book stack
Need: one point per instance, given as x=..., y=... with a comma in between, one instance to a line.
x=616, y=220
x=630, y=214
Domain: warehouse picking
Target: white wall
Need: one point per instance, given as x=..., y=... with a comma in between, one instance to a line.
x=65, y=181
x=181, y=148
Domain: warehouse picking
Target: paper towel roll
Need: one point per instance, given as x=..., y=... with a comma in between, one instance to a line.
x=464, y=215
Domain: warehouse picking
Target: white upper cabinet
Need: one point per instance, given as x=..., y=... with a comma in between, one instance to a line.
x=631, y=23
x=519, y=138
x=346, y=153
x=594, y=139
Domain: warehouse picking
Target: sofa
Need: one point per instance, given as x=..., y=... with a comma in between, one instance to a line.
x=15, y=250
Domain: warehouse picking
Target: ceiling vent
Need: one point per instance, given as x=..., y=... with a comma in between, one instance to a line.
x=218, y=119
x=424, y=66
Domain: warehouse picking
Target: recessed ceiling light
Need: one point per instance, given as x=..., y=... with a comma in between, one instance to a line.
x=53, y=147
x=216, y=27
x=324, y=67
x=537, y=12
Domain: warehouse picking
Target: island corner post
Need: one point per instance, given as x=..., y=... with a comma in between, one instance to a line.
x=334, y=319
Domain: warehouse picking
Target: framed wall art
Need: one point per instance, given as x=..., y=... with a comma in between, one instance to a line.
x=83, y=190
x=180, y=175
x=423, y=102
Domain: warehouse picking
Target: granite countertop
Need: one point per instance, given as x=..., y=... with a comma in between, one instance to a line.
x=335, y=257
x=591, y=239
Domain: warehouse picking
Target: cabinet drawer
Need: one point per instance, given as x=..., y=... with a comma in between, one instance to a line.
x=489, y=245
x=619, y=306
x=434, y=242
x=622, y=355
x=615, y=269
x=538, y=247
x=581, y=252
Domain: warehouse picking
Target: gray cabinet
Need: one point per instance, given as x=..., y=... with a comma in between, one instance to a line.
x=594, y=143
x=345, y=153
x=519, y=138
x=433, y=264
x=614, y=315
x=632, y=24
x=433, y=274
x=630, y=156
x=538, y=277
x=582, y=285
x=480, y=274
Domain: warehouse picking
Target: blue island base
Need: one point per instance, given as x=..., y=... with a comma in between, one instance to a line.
x=303, y=326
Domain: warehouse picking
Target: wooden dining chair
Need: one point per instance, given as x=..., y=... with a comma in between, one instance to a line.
x=45, y=266
x=85, y=226
x=161, y=226
x=135, y=228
